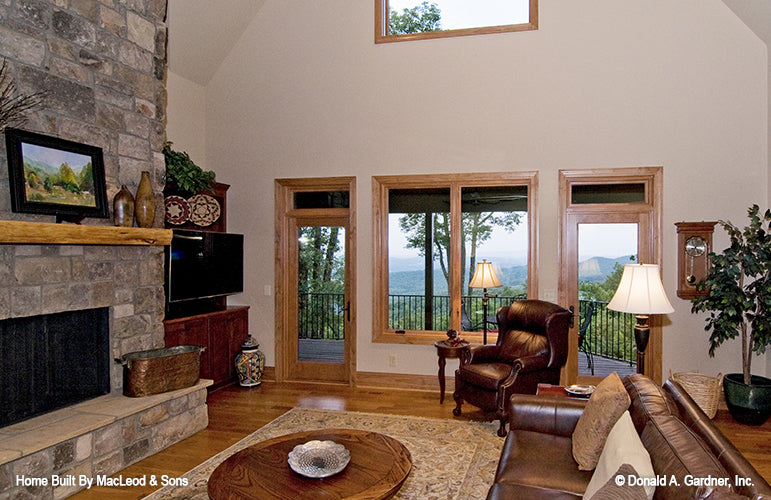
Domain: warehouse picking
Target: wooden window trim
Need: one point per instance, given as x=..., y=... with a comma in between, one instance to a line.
x=380, y=186
x=382, y=36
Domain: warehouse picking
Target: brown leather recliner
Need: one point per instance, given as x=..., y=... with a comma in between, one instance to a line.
x=532, y=347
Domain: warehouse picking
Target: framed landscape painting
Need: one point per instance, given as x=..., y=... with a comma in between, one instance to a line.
x=54, y=176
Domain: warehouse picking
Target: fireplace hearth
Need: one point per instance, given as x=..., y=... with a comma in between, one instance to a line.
x=52, y=361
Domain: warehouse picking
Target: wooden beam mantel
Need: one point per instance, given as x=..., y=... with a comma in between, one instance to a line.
x=47, y=233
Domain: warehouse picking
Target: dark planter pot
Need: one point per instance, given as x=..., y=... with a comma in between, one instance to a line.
x=748, y=404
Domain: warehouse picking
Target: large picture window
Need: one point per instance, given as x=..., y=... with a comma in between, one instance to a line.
x=401, y=20
x=431, y=232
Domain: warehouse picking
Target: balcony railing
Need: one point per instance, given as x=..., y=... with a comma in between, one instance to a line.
x=608, y=334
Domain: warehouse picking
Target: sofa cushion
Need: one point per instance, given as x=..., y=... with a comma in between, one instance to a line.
x=613, y=490
x=606, y=404
x=623, y=446
x=677, y=452
x=648, y=398
x=540, y=460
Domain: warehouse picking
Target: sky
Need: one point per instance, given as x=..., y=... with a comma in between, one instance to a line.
x=458, y=14
x=55, y=157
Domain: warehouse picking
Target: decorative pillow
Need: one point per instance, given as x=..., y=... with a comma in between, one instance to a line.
x=613, y=490
x=623, y=446
x=608, y=401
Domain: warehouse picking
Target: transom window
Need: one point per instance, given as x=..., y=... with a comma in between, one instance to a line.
x=431, y=232
x=400, y=20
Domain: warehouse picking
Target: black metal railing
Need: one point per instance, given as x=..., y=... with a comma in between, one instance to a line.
x=321, y=316
x=609, y=334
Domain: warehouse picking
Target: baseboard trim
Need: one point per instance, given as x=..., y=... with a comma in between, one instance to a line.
x=382, y=380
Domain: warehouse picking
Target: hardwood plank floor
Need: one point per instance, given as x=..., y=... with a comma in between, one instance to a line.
x=235, y=412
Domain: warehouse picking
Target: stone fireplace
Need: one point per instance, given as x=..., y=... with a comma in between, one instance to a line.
x=101, y=66
x=99, y=436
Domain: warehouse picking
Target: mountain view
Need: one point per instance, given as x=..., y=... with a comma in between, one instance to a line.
x=408, y=280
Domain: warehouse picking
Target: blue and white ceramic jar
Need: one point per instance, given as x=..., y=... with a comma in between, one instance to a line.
x=250, y=363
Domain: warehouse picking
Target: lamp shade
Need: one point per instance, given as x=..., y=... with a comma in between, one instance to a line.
x=640, y=291
x=484, y=276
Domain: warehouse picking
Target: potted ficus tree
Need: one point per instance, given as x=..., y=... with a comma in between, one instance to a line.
x=738, y=300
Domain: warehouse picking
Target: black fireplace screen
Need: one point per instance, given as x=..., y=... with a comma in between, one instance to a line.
x=52, y=361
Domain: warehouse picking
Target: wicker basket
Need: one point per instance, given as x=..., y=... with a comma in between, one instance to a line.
x=704, y=390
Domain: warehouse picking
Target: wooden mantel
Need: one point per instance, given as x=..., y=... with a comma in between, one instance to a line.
x=47, y=233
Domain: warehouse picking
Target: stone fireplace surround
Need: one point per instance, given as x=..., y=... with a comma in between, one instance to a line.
x=104, y=435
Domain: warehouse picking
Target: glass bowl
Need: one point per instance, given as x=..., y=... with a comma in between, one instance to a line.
x=319, y=458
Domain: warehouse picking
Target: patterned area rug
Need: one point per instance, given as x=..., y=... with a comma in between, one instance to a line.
x=451, y=459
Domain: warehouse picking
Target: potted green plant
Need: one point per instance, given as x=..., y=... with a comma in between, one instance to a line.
x=738, y=300
x=183, y=176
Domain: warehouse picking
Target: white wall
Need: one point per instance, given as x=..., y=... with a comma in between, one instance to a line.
x=186, y=111
x=602, y=83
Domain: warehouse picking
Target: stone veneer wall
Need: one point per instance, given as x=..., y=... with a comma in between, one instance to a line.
x=102, y=65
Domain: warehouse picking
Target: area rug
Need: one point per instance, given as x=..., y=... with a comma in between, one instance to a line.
x=451, y=459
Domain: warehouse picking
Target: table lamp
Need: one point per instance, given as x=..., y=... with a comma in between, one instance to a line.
x=640, y=292
x=484, y=278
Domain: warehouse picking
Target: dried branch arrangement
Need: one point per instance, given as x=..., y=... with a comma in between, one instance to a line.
x=13, y=108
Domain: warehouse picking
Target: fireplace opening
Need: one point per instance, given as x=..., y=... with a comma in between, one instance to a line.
x=51, y=361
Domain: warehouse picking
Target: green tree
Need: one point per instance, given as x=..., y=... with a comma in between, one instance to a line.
x=419, y=19
x=67, y=178
x=86, y=178
x=476, y=228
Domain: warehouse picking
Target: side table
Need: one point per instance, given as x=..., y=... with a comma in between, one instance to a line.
x=446, y=350
x=556, y=390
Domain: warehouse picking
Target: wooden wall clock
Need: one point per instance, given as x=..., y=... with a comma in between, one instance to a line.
x=694, y=242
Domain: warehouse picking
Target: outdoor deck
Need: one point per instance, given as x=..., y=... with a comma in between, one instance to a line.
x=331, y=351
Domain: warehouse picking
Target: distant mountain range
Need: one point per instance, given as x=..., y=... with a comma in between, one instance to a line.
x=598, y=268
x=410, y=282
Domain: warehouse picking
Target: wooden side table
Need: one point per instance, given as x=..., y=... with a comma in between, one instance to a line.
x=446, y=350
x=556, y=390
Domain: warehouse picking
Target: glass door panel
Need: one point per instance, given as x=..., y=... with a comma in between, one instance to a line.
x=605, y=338
x=321, y=299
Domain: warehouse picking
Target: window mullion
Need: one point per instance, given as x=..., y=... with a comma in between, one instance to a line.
x=455, y=255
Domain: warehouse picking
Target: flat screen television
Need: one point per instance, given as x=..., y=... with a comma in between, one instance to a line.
x=203, y=265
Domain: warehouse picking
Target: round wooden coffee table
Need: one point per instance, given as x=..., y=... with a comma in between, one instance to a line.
x=378, y=467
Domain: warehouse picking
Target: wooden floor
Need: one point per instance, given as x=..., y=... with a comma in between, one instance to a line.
x=236, y=412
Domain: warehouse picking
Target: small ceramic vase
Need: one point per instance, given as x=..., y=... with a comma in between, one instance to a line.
x=144, y=202
x=250, y=363
x=123, y=208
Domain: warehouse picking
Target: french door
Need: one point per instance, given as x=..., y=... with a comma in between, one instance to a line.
x=315, y=310
x=608, y=218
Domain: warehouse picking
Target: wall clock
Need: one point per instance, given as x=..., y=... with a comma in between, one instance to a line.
x=694, y=242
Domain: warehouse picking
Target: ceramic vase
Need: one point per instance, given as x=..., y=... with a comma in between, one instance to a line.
x=250, y=363
x=144, y=202
x=123, y=208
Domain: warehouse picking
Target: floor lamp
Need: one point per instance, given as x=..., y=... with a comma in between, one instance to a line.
x=484, y=278
x=640, y=292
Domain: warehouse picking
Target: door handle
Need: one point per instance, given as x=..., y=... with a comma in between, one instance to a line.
x=347, y=309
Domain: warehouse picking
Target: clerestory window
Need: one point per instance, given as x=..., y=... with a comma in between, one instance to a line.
x=401, y=20
x=430, y=232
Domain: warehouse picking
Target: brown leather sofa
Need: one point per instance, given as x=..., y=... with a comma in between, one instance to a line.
x=537, y=460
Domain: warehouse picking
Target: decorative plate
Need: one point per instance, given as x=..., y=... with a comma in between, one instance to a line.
x=580, y=390
x=204, y=209
x=177, y=210
x=319, y=458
